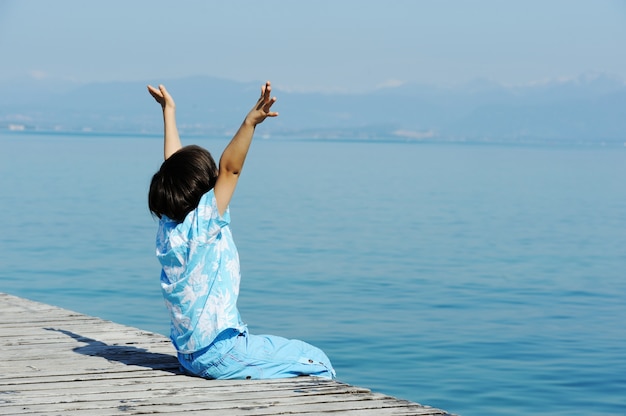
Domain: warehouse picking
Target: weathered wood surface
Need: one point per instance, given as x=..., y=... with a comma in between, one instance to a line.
x=57, y=362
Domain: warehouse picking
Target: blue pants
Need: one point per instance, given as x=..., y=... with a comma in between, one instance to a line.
x=235, y=355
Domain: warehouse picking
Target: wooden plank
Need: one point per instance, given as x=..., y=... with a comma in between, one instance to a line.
x=55, y=361
x=235, y=405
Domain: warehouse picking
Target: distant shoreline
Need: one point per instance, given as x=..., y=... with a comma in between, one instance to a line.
x=321, y=136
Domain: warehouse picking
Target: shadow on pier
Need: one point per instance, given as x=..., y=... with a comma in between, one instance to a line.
x=125, y=354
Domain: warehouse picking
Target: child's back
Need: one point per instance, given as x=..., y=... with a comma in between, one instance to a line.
x=200, y=264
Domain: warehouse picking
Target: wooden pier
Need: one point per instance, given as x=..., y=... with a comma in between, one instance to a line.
x=58, y=362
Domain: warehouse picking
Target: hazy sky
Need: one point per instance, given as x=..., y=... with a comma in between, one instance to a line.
x=324, y=44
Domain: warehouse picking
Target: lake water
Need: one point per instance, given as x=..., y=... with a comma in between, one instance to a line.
x=481, y=279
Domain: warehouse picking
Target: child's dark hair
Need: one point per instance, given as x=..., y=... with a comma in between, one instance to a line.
x=176, y=189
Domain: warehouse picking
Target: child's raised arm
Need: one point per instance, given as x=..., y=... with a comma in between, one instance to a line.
x=235, y=153
x=171, y=140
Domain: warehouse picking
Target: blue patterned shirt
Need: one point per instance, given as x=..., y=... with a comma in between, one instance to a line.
x=200, y=276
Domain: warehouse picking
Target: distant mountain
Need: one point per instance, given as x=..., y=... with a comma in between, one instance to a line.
x=591, y=108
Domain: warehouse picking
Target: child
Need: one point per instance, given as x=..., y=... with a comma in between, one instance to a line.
x=200, y=276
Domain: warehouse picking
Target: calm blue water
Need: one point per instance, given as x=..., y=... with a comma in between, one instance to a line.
x=485, y=280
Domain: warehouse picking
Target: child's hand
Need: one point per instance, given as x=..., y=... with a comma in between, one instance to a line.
x=262, y=108
x=162, y=96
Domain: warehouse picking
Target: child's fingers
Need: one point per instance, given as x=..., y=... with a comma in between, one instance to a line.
x=267, y=103
x=154, y=92
x=265, y=90
x=267, y=106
